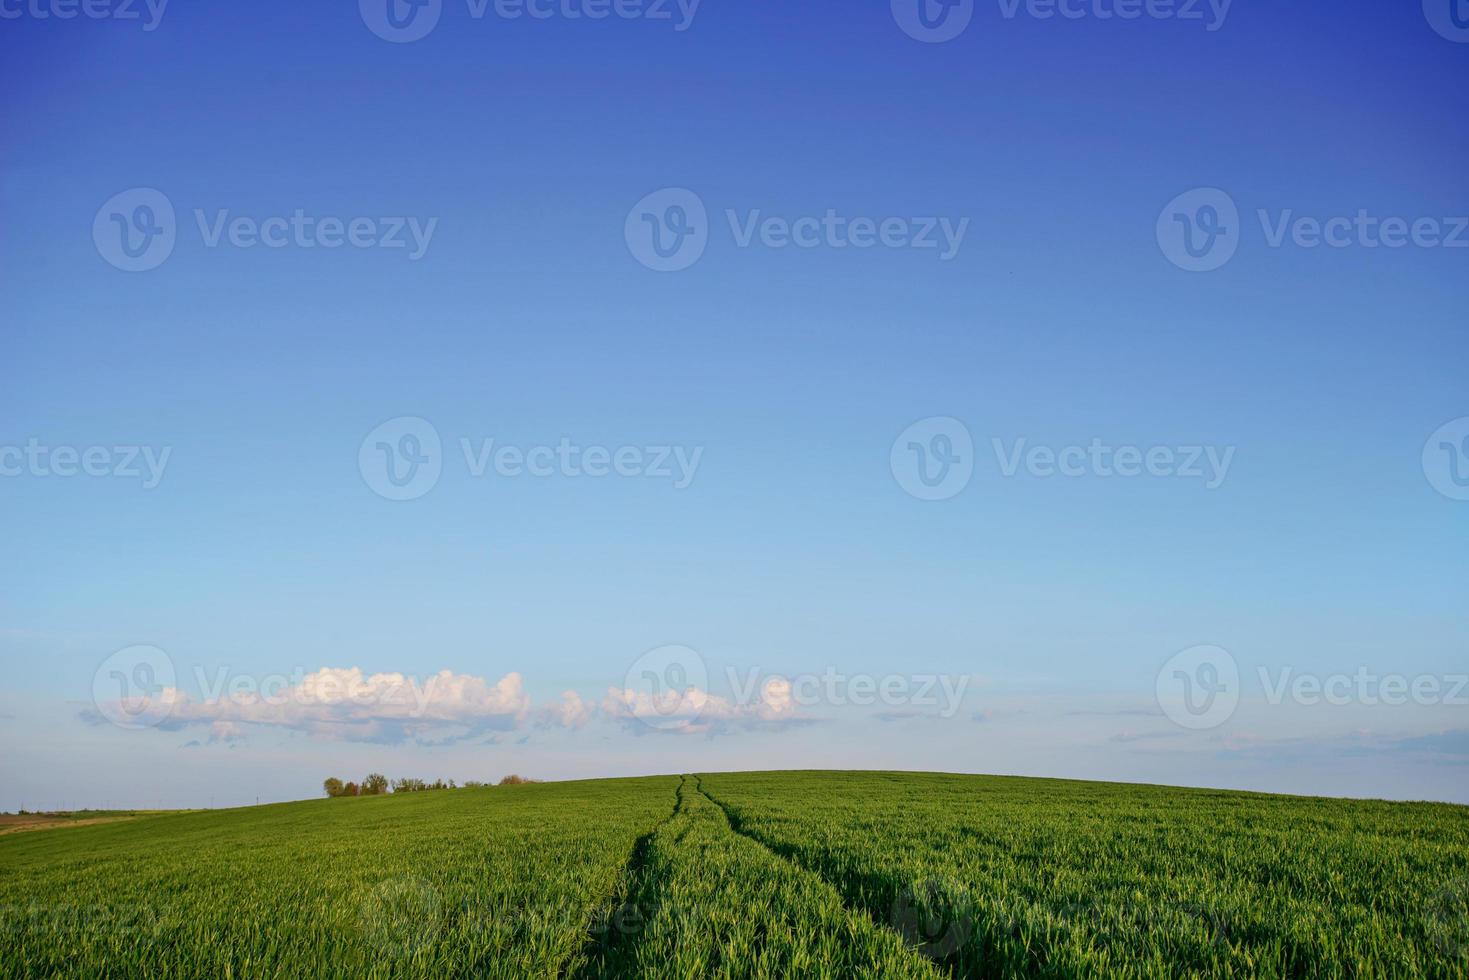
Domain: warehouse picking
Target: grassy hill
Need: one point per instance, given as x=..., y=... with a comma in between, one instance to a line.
x=762, y=874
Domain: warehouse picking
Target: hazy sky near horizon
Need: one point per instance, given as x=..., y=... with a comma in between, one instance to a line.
x=859, y=323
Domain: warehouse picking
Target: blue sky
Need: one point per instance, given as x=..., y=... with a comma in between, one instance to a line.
x=1331, y=546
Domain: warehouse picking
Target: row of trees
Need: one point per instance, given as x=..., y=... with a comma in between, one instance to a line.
x=376, y=784
x=420, y=786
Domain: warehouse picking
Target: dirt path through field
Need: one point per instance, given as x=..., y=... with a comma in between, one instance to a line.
x=24, y=823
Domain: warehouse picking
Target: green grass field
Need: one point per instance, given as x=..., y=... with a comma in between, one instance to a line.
x=753, y=875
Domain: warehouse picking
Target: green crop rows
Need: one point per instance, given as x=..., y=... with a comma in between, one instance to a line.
x=752, y=875
x=1016, y=877
x=497, y=883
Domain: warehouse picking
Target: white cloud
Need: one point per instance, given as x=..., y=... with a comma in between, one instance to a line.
x=693, y=711
x=225, y=731
x=347, y=704
x=571, y=712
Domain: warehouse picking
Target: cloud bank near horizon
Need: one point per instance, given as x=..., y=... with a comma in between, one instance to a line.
x=347, y=704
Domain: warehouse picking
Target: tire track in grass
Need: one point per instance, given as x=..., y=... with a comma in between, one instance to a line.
x=911, y=918
x=611, y=932
x=708, y=901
